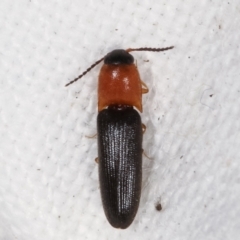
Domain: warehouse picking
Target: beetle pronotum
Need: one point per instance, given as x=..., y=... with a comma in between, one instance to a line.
x=119, y=129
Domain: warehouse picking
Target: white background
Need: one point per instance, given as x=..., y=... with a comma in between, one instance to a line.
x=48, y=177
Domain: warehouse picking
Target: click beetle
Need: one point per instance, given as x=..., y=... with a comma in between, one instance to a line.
x=119, y=130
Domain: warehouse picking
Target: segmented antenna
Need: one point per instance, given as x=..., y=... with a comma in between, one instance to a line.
x=85, y=72
x=149, y=49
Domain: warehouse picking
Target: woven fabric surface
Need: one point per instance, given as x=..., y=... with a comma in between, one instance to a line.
x=49, y=185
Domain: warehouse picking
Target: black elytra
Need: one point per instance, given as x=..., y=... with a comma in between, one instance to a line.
x=120, y=163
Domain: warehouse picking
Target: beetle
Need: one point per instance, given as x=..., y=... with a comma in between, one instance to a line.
x=120, y=130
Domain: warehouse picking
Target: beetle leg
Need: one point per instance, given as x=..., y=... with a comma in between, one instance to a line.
x=144, y=88
x=96, y=160
x=94, y=136
x=146, y=155
x=143, y=131
x=143, y=128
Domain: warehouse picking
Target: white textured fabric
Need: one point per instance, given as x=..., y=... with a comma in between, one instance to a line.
x=48, y=178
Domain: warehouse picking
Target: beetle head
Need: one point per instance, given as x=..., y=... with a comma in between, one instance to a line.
x=117, y=57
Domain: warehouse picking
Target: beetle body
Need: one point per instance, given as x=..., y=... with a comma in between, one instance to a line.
x=119, y=130
x=120, y=133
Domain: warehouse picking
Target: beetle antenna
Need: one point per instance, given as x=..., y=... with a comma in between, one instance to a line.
x=149, y=49
x=85, y=72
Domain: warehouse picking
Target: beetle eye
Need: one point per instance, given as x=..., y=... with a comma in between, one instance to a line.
x=118, y=56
